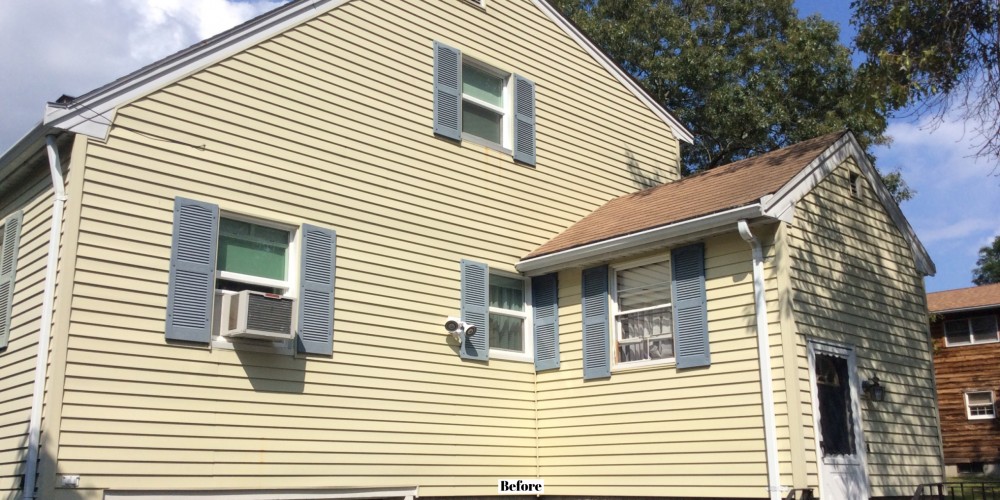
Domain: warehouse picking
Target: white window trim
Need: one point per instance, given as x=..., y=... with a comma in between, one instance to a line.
x=616, y=311
x=289, y=285
x=528, y=356
x=968, y=324
x=968, y=407
x=506, y=111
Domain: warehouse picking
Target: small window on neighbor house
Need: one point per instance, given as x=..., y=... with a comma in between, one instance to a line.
x=979, y=405
x=478, y=3
x=966, y=331
x=642, y=313
x=971, y=468
x=508, y=315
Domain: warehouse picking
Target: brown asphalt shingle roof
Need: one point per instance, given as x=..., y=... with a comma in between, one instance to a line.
x=730, y=186
x=964, y=298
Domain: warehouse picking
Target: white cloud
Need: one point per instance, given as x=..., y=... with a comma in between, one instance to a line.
x=54, y=47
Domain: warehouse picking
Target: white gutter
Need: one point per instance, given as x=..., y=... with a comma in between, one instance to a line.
x=45, y=329
x=601, y=249
x=764, y=354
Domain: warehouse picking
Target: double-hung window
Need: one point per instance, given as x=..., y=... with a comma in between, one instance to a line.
x=508, y=318
x=485, y=105
x=966, y=331
x=481, y=104
x=642, y=313
x=979, y=405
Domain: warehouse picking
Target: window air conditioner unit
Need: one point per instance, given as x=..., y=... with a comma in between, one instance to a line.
x=256, y=315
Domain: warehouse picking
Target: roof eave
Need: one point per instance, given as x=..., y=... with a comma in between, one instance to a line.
x=965, y=309
x=807, y=179
x=679, y=130
x=610, y=248
x=92, y=113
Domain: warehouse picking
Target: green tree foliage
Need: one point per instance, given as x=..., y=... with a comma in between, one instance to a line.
x=745, y=77
x=935, y=56
x=988, y=266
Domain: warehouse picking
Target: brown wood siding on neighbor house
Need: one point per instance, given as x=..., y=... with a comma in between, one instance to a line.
x=960, y=369
x=331, y=124
x=854, y=282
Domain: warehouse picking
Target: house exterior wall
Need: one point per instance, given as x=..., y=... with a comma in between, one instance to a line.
x=331, y=124
x=33, y=195
x=854, y=282
x=661, y=431
x=959, y=369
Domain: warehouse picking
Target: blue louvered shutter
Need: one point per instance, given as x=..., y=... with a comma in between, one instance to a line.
x=8, y=271
x=447, y=91
x=689, y=312
x=524, y=120
x=475, y=309
x=596, y=353
x=316, y=286
x=190, y=294
x=545, y=321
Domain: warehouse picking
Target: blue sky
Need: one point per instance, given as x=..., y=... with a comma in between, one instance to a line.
x=54, y=47
x=957, y=207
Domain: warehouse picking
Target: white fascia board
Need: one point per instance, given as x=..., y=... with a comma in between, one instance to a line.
x=675, y=125
x=604, y=250
x=92, y=114
x=778, y=205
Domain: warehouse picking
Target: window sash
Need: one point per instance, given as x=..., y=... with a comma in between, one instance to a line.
x=497, y=281
x=980, y=405
x=967, y=331
x=651, y=345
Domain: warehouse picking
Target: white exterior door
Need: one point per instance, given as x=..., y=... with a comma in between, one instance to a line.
x=837, y=419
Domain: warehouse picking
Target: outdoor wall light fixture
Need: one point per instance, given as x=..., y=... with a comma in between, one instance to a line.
x=873, y=389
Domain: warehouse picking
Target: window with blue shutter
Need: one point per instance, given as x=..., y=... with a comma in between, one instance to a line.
x=10, y=241
x=487, y=106
x=596, y=353
x=545, y=298
x=214, y=256
x=191, y=290
x=689, y=309
x=475, y=309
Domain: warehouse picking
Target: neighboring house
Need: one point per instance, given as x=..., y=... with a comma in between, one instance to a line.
x=966, y=347
x=373, y=168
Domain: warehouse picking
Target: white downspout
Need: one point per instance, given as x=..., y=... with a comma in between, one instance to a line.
x=764, y=354
x=45, y=330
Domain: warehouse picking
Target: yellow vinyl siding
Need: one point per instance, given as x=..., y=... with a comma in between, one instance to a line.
x=17, y=363
x=661, y=431
x=854, y=281
x=331, y=124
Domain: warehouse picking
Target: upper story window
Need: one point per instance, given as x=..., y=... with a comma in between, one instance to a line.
x=642, y=312
x=482, y=104
x=966, y=331
x=253, y=256
x=485, y=113
x=979, y=405
x=508, y=318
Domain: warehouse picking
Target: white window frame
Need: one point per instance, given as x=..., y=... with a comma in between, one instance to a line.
x=478, y=3
x=968, y=406
x=506, y=111
x=288, y=285
x=527, y=331
x=968, y=324
x=616, y=331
